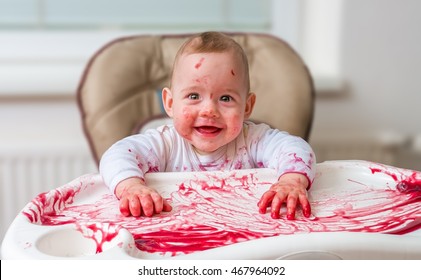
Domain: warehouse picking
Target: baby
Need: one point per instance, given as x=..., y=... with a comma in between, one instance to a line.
x=209, y=100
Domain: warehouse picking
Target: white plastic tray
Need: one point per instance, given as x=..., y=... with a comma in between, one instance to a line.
x=358, y=213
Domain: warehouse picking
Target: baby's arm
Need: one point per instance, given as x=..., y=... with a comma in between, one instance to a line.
x=290, y=189
x=136, y=198
x=294, y=161
x=123, y=167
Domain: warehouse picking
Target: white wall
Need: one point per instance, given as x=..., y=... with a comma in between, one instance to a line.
x=381, y=66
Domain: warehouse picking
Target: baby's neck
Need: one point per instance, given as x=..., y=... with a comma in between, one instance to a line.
x=202, y=153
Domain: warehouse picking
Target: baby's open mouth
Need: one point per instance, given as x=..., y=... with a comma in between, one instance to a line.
x=208, y=129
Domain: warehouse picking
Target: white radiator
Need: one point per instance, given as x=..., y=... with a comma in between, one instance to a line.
x=25, y=173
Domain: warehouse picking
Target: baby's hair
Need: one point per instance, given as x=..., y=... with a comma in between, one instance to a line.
x=214, y=42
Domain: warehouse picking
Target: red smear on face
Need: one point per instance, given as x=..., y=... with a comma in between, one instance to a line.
x=197, y=66
x=232, y=72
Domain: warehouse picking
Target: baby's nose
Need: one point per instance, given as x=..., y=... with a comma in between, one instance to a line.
x=209, y=110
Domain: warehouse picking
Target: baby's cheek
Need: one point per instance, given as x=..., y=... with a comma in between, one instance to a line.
x=237, y=130
x=183, y=122
x=183, y=117
x=237, y=125
x=182, y=129
x=187, y=114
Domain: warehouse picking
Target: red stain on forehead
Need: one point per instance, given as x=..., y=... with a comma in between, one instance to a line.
x=197, y=65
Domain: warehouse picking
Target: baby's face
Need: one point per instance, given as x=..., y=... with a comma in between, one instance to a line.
x=208, y=100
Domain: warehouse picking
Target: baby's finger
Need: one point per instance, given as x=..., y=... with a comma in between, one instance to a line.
x=265, y=200
x=276, y=207
x=291, y=206
x=305, y=205
x=158, y=202
x=166, y=206
x=134, y=206
x=147, y=205
x=124, y=207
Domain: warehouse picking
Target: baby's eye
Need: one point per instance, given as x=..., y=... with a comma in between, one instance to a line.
x=226, y=98
x=193, y=96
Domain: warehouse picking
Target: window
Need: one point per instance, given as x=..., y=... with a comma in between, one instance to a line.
x=135, y=14
x=49, y=41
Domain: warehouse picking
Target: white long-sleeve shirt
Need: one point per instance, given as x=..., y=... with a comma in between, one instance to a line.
x=163, y=149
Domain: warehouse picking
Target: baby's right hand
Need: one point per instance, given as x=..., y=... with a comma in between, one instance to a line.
x=136, y=199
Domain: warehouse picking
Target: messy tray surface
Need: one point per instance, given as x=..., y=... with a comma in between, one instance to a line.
x=214, y=209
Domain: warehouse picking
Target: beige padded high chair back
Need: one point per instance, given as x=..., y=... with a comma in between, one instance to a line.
x=122, y=82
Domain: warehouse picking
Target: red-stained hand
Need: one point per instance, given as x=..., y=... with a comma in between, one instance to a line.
x=137, y=199
x=291, y=189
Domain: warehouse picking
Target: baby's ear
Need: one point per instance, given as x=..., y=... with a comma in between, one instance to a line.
x=167, y=101
x=251, y=99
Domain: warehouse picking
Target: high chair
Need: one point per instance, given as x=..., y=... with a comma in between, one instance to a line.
x=360, y=209
x=120, y=90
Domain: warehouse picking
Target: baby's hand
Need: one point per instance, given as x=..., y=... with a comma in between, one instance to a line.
x=290, y=189
x=136, y=199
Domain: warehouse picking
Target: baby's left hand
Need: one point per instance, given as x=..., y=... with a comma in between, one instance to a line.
x=290, y=189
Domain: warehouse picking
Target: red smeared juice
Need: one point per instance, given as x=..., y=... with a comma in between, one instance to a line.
x=217, y=212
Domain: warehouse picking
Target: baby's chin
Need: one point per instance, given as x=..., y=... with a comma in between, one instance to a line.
x=204, y=150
